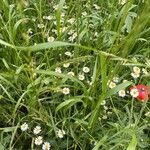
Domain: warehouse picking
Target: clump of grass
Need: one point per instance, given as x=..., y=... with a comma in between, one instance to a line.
x=63, y=68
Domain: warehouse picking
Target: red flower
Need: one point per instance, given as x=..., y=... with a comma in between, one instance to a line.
x=143, y=92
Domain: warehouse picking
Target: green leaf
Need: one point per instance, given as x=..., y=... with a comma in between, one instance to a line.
x=6, y=44
x=69, y=103
x=47, y=45
x=2, y=147
x=17, y=25
x=37, y=47
x=133, y=143
x=8, y=129
x=100, y=143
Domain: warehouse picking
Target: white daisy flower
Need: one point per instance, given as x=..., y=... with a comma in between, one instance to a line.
x=24, y=126
x=136, y=70
x=112, y=85
x=65, y=91
x=86, y=69
x=66, y=65
x=58, y=70
x=46, y=146
x=50, y=39
x=60, y=133
x=122, y=93
x=68, y=54
x=37, y=130
x=38, y=140
x=134, y=92
x=81, y=77
x=71, y=73
x=135, y=75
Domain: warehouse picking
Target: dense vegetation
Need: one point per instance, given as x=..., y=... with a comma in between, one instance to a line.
x=69, y=72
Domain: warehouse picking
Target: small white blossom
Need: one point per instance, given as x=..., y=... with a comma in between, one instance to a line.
x=71, y=73
x=103, y=102
x=104, y=117
x=105, y=107
x=112, y=85
x=60, y=133
x=71, y=32
x=29, y=31
x=63, y=29
x=46, y=146
x=144, y=71
x=65, y=91
x=48, y=17
x=71, y=21
x=12, y=5
x=58, y=70
x=90, y=83
x=68, y=54
x=66, y=65
x=136, y=70
x=38, y=140
x=41, y=26
x=55, y=7
x=125, y=81
x=65, y=7
x=122, y=93
x=54, y=31
x=122, y=2
x=84, y=13
x=24, y=126
x=134, y=92
x=44, y=17
x=50, y=39
x=147, y=114
x=96, y=6
x=86, y=69
x=37, y=130
x=116, y=79
x=135, y=75
x=72, y=38
x=96, y=34
x=81, y=77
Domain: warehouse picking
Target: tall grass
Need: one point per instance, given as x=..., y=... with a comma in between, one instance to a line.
x=110, y=38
